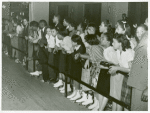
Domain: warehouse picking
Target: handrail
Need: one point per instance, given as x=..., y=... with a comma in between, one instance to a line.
x=81, y=82
x=26, y=53
x=15, y=48
x=92, y=88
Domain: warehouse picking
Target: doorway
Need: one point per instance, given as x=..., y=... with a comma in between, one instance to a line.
x=137, y=12
x=63, y=11
x=92, y=12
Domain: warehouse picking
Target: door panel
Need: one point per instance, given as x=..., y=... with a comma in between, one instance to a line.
x=63, y=11
x=93, y=12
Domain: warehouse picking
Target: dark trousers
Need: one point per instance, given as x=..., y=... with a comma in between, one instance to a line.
x=56, y=61
x=52, y=73
x=22, y=46
x=9, y=48
x=43, y=56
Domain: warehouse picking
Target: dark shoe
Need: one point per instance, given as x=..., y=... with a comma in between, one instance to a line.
x=53, y=80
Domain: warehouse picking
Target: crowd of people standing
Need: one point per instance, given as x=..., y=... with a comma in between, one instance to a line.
x=112, y=61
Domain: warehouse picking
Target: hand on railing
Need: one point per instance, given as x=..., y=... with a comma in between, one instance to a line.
x=113, y=69
x=54, y=51
x=77, y=56
x=87, y=64
x=63, y=51
x=49, y=49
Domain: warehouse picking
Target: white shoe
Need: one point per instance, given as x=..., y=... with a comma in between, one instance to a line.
x=89, y=100
x=42, y=81
x=17, y=61
x=62, y=88
x=73, y=94
x=40, y=72
x=57, y=82
x=93, y=105
x=68, y=89
x=77, y=96
x=60, y=83
x=6, y=53
x=36, y=73
x=84, y=97
x=96, y=108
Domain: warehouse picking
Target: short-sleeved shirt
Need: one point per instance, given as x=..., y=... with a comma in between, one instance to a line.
x=110, y=55
x=125, y=57
x=58, y=41
x=96, y=54
x=50, y=41
x=67, y=44
x=19, y=29
x=82, y=37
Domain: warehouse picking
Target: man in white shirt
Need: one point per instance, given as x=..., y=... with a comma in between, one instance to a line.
x=43, y=52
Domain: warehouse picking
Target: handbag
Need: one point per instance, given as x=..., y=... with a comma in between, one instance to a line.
x=85, y=77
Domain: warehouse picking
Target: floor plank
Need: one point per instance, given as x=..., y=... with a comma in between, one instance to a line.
x=22, y=92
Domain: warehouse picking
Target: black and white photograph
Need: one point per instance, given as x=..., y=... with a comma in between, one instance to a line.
x=74, y=55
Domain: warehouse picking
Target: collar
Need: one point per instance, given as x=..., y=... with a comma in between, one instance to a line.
x=77, y=47
x=43, y=29
x=56, y=24
x=143, y=41
x=67, y=27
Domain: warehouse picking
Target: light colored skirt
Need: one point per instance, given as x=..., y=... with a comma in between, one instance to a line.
x=116, y=85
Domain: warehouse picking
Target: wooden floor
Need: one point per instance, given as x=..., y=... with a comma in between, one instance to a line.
x=22, y=92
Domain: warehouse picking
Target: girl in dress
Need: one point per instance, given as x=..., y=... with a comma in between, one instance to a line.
x=104, y=77
x=65, y=48
x=125, y=56
x=94, y=56
x=76, y=69
x=122, y=27
x=81, y=31
x=103, y=28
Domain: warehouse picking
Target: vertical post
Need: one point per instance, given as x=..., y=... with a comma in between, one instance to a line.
x=130, y=99
x=66, y=86
x=33, y=59
x=26, y=55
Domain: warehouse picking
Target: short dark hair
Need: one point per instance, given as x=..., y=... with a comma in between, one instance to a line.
x=34, y=24
x=25, y=18
x=91, y=39
x=77, y=39
x=73, y=24
x=43, y=21
x=83, y=26
x=68, y=20
x=109, y=37
x=123, y=40
x=92, y=25
x=62, y=32
x=58, y=16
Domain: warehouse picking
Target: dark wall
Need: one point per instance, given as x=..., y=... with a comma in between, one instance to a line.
x=19, y=7
x=75, y=10
x=137, y=12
